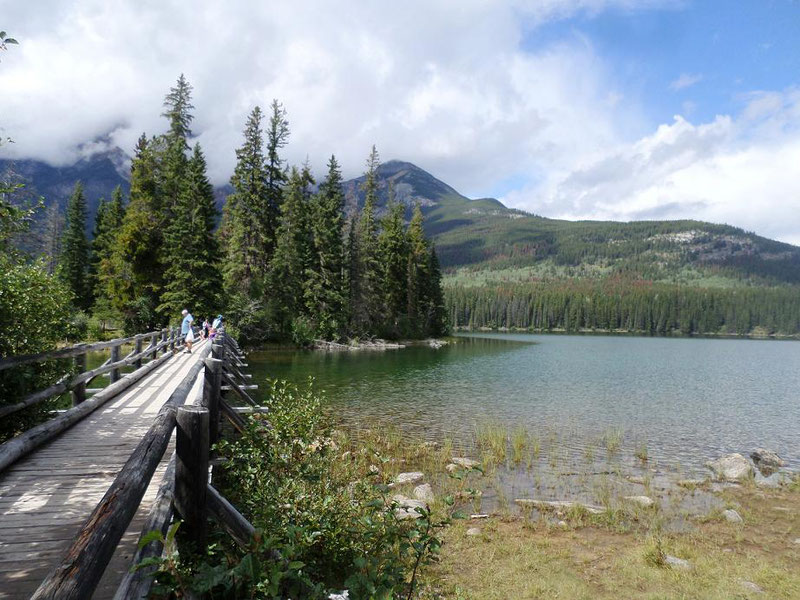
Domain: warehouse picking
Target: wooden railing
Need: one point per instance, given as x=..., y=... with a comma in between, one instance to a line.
x=77, y=384
x=83, y=403
x=185, y=491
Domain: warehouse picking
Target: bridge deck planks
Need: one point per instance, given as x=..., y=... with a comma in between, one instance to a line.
x=47, y=496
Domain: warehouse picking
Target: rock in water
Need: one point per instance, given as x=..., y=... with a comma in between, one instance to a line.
x=644, y=501
x=767, y=461
x=412, y=477
x=467, y=463
x=424, y=492
x=678, y=563
x=732, y=516
x=731, y=467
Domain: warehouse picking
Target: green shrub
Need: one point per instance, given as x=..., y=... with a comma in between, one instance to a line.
x=319, y=505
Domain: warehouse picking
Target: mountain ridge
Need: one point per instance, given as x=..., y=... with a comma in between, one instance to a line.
x=482, y=234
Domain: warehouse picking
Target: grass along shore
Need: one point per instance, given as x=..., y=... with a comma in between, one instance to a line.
x=686, y=544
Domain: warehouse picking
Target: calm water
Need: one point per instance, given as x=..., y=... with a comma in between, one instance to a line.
x=688, y=400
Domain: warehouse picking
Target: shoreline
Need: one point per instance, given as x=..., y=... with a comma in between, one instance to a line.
x=628, y=333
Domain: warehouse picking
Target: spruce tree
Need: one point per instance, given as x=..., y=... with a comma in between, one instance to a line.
x=365, y=291
x=436, y=312
x=393, y=253
x=325, y=278
x=244, y=226
x=73, y=266
x=106, y=225
x=134, y=277
x=291, y=258
x=174, y=144
x=192, y=273
x=277, y=138
x=417, y=273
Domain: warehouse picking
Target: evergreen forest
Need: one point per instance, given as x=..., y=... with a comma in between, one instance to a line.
x=282, y=261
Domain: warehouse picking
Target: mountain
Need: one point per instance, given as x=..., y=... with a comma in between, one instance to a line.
x=100, y=174
x=481, y=239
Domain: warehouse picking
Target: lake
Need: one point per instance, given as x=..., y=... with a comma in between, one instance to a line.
x=685, y=400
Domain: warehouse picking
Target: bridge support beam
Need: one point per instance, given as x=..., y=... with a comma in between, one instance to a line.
x=191, y=476
x=212, y=394
x=79, y=391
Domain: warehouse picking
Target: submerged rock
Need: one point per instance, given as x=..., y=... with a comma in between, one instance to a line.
x=731, y=467
x=767, y=461
x=645, y=501
x=732, y=516
x=677, y=563
x=424, y=492
x=412, y=477
x=558, y=505
x=467, y=463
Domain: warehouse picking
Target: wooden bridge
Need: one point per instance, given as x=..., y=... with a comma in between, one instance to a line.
x=78, y=491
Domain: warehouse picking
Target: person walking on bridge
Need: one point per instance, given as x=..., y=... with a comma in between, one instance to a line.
x=186, y=330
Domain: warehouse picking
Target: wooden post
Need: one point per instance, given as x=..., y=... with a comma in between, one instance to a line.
x=191, y=475
x=211, y=395
x=138, y=363
x=154, y=345
x=79, y=391
x=163, y=341
x=114, y=375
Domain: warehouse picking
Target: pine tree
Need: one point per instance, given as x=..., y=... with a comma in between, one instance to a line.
x=73, y=266
x=277, y=138
x=174, y=162
x=134, y=277
x=436, y=312
x=106, y=226
x=192, y=274
x=417, y=272
x=325, y=277
x=244, y=226
x=393, y=252
x=291, y=258
x=365, y=291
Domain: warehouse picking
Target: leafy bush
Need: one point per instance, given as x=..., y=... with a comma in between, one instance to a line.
x=319, y=505
x=35, y=310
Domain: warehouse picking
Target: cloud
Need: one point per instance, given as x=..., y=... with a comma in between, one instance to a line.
x=451, y=90
x=684, y=81
x=739, y=170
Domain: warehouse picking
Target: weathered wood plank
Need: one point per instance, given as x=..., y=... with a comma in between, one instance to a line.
x=80, y=571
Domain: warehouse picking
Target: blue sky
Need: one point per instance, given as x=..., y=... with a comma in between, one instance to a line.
x=730, y=47
x=575, y=109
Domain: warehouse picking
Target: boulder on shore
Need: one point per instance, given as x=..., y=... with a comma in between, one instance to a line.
x=767, y=461
x=424, y=493
x=412, y=477
x=732, y=516
x=643, y=501
x=406, y=507
x=731, y=467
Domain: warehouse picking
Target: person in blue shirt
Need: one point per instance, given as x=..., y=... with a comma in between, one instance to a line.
x=186, y=330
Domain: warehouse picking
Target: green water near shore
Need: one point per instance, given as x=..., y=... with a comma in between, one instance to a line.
x=685, y=400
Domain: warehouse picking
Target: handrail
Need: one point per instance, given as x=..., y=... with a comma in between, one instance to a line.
x=185, y=490
x=64, y=385
x=15, y=361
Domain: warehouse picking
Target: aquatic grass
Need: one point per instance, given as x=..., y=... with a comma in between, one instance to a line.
x=536, y=446
x=641, y=452
x=492, y=438
x=612, y=439
x=519, y=443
